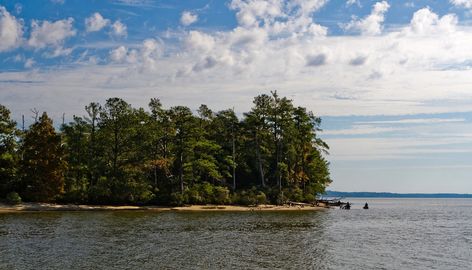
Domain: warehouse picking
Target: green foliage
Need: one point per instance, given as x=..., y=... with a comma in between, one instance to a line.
x=8, y=152
x=177, y=199
x=221, y=195
x=250, y=197
x=43, y=165
x=207, y=193
x=261, y=198
x=120, y=154
x=13, y=198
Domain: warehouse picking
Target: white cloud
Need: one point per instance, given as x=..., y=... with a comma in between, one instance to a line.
x=279, y=17
x=426, y=22
x=29, y=63
x=18, y=8
x=58, y=51
x=352, y=2
x=372, y=24
x=119, y=29
x=197, y=40
x=361, y=130
x=119, y=54
x=251, y=12
x=416, y=121
x=11, y=31
x=142, y=59
x=47, y=33
x=399, y=71
x=96, y=22
x=188, y=18
x=462, y=3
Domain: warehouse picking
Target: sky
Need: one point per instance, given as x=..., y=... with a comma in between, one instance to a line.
x=392, y=80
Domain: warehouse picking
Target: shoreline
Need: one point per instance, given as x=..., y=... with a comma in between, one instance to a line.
x=50, y=207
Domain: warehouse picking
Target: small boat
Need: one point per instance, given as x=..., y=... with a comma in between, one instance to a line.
x=346, y=206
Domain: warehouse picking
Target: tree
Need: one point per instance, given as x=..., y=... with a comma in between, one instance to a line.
x=93, y=112
x=121, y=137
x=8, y=152
x=226, y=133
x=158, y=148
x=76, y=139
x=121, y=154
x=43, y=165
x=184, y=123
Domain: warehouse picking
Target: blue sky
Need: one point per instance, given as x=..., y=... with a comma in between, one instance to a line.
x=392, y=80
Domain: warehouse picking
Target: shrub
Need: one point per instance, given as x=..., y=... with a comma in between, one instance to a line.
x=310, y=198
x=221, y=195
x=193, y=196
x=206, y=191
x=13, y=198
x=261, y=198
x=296, y=194
x=100, y=193
x=177, y=199
x=247, y=198
x=281, y=198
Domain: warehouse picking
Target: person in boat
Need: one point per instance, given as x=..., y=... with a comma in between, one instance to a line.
x=347, y=206
x=366, y=206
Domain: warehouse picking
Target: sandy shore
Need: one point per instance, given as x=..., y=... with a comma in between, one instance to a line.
x=35, y=207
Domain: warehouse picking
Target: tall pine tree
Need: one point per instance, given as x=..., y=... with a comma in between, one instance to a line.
x=43, y=165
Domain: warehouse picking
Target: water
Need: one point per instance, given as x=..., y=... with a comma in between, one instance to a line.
x=393, y=234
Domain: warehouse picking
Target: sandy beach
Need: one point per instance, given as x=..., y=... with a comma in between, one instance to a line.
x=43, y=207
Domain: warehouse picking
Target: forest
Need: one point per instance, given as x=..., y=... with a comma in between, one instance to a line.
x=118, y=154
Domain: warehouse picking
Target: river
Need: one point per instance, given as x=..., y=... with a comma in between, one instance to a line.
x=392, y=234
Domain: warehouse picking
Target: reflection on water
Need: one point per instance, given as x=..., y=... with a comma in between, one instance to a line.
x=393, y=234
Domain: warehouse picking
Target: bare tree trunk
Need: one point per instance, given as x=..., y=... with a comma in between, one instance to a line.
x=155, y=176
x=234, y=159
x=259, y=159
x=181, y=173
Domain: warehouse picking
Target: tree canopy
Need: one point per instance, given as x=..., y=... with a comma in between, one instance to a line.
x=120, y=154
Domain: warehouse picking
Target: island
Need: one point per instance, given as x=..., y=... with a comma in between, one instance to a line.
x=165, y=158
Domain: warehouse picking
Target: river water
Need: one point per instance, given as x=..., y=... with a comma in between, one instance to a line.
x=393, y=234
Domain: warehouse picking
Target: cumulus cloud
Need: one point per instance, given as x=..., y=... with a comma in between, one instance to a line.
x=251, y=12
x=372, y=24
x=119, y=54
x=401, y=70
x=11, y=31
x=200, y=41
x=188, y=18
x=95, y=22
x=47, y=33
x=279, y=17
x=143, y=59
x=425, y=22
x=119, y=29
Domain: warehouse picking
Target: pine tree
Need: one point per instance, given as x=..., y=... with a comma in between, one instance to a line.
x=43, y=165
x=8, y=152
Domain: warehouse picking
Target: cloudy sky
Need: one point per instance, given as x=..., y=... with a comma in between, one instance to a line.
x=392, y=80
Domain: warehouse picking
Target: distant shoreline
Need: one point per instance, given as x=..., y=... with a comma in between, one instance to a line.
x=396, y=195
x=48, y=207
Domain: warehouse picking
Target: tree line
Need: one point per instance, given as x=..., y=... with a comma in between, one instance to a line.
x=118, y=154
